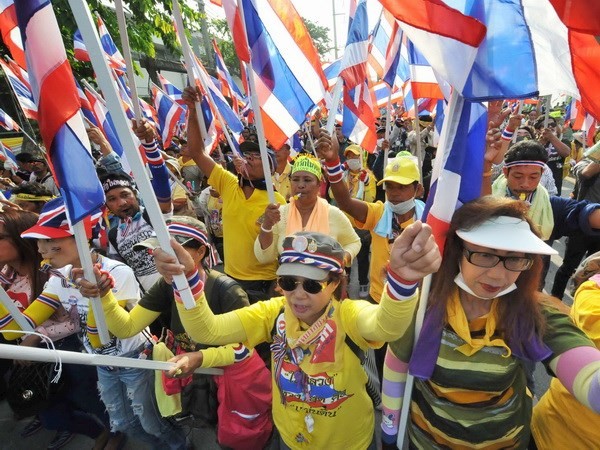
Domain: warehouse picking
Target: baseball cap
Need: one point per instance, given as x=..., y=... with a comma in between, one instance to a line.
x=401, y=170
x=356, y=149
x=310, y=255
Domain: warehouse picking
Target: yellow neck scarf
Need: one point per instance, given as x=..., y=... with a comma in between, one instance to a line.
x=457, y=319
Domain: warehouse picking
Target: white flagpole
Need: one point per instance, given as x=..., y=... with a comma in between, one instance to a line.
x=388, y=126
x=107, y=84
x=547, y=99
x=128, y=59
x=419, y=150
x=519, y=110
x=14, y=312
x=88, y=270
x=258, y=118
x=335, y=100
x=449, y=128
x=189, y=65
x=24, y=353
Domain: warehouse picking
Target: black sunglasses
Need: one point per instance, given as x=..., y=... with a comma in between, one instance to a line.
x=288, y=283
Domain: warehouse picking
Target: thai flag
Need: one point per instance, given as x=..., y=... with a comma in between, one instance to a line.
x=61, y=125
x=332, y=72
x=170, y=89
x=381, y=92
x=9, y=29
x=438, y=30
x=457, y=173
x=115, y=59
x=378, y=43
x=104, y=120
x=396, y=69
x=7, y=122
x=289, y=78
x=79, y=49
x=236, y=26
x=86, y=107
x=423, y=80
x=22, y=92
x=530, y=35
x=9, y=159
x=228, y=86
x=358, y=118
x=168, y=114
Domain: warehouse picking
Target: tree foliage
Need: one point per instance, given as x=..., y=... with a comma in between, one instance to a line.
x=320, y=37
x=146, y=19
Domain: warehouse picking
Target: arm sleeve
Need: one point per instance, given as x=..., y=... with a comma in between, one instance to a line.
x=202, y=325
x=36, y=314
x=160, y=174
x=392, y=395
x=125, y=324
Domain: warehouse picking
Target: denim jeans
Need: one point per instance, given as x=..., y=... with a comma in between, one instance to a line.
x=129, y=398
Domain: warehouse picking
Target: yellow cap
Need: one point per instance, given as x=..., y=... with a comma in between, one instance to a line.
x=402, y=170
x=356, y=149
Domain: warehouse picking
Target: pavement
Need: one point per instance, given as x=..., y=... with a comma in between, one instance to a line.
x=205, y=438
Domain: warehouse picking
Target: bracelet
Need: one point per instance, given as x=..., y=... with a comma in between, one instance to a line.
x=266, y=230
x=507, y=134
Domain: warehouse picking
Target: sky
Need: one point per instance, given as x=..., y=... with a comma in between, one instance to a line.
x=318, y=11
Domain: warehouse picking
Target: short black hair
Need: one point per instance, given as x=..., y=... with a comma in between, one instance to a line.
x=526, y=151
x=23, y=157
x=539, y=122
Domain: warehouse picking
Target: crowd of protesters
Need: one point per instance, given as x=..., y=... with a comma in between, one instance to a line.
x=274, y=276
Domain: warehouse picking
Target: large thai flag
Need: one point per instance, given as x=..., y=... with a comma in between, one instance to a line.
x=579, y=15
x=289, y=78
x=7, y=122
x=61, y=125
x=22, y=92
x=358, y=117
x=457, y=173
x=530, y=35
x=9, y=29
x=447, y=38
x=236, y=26
x=168, y=112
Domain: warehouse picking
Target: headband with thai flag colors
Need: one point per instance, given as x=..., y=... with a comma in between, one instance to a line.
x=188, y=231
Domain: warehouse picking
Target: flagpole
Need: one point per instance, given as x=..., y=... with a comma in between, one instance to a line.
x=335, y=100
x=547, y=99
x=128, y=59
x=519, y=110
x=258, y=117
x=454, y=106
x=24, y=353
x=419, y=149
x=14, y=312
x=85, y=258
x=107, y=84
x=388, y=126
x=189, y=63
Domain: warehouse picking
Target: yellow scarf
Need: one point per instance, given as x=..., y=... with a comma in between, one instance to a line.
x=318, y=220
x=540, y=211
x=457, y=319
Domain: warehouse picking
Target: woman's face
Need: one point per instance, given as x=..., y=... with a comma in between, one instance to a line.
x=487, y=282
x=9, y=254
x=59, y=252
x=308, y=307
x=305, y=183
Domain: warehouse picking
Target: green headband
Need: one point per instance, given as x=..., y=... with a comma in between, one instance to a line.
x=307, y=164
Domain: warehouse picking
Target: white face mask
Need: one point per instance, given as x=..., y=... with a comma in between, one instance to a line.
x=354, y=164
x=460, y=282
x=402, y=207
x=380, y=142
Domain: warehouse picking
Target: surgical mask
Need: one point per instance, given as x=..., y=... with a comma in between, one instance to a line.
x=460, y=282
x=380, y=142
x=402, y=207
x=354, y=164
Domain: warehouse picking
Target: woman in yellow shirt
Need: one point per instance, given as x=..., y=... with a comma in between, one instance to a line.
x=319, y=394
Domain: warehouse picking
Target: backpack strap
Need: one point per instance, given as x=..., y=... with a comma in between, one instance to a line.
x=220, y=286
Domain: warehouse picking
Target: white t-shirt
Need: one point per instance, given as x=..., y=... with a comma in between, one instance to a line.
x=126, y=288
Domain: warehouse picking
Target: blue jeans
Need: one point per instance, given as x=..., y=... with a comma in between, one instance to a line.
x=129, y=398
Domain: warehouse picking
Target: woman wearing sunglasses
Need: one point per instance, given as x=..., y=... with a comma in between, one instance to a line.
x=484, y=318
x=319, y=394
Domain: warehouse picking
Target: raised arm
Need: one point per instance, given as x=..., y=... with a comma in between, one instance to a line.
x=195, y=138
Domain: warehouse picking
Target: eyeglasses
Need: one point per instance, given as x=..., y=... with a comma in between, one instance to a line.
x=310, y=286
x=252, y=155
x=489, y=260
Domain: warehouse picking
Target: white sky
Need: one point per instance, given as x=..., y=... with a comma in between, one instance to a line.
x=318, y=11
